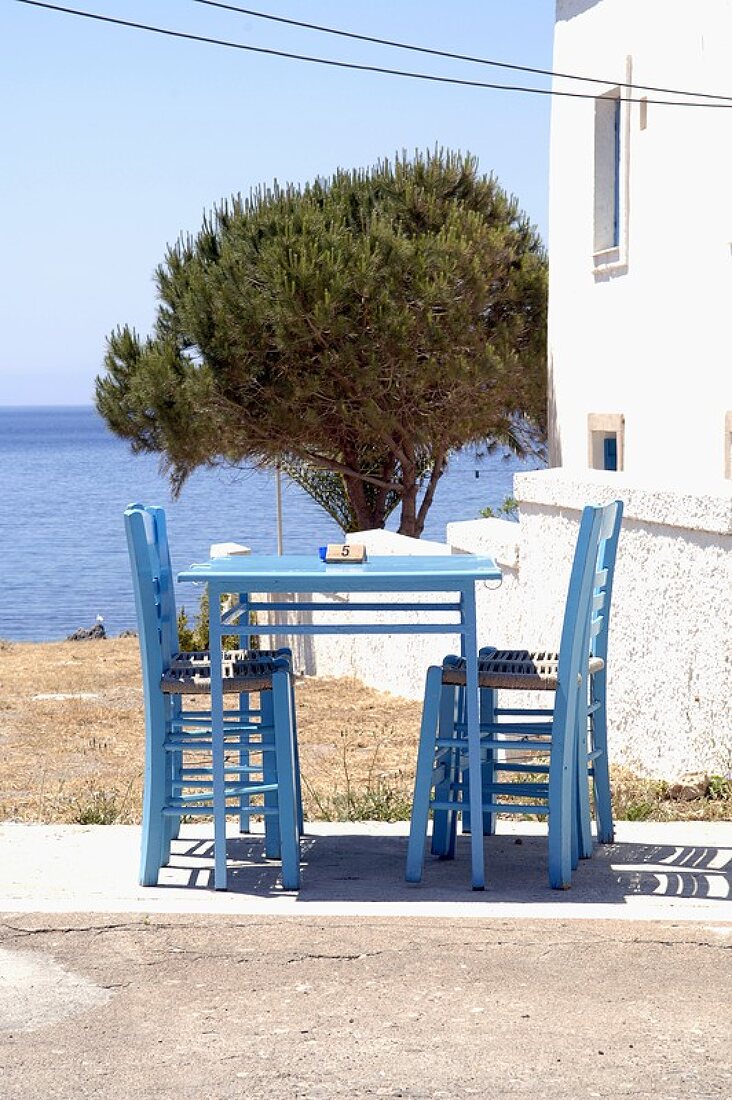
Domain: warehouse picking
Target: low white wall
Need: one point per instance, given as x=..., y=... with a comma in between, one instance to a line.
x=670, y=663
x=670, y=667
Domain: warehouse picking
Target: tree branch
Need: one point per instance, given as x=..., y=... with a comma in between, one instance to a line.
x=346, y=470
x=309, y=456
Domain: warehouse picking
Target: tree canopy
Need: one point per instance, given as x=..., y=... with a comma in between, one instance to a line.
x=356, y=330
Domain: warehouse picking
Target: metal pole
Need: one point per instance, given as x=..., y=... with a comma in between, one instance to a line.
x=278, y=494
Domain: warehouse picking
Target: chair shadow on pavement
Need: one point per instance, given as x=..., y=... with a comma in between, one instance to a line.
x=363, y=868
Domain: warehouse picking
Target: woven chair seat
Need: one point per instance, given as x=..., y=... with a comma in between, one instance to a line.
x=243, y=670
x=518, y=669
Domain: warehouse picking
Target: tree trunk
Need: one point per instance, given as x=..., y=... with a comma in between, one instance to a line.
x=379, y=497
x=412, y=518
x=408, y=523
x=365, y=517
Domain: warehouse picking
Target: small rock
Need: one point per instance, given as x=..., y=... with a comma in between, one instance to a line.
x=88, y=634
x=691, y=786
x=128, y=634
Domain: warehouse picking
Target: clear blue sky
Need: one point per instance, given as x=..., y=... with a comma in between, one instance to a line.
x=115, y=140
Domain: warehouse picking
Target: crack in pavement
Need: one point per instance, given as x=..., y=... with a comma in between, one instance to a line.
x=342, y=957
x=240, y=956
x=95, y=929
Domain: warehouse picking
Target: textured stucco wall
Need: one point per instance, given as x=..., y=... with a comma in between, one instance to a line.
x=670, y=669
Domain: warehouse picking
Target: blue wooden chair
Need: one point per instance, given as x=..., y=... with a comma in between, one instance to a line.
x=525, y=670
x=169, y=641
x=259, y=743
x=597, y=748
x=570, y=737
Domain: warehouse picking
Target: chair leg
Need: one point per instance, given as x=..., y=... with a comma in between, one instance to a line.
x=156, y=787
x=562, y=793
x=269, y=775
x=423, y=776
x=172, y=821
x=601, y=767
x=583, y=815
x=296, y=750
x=463, y=775
x=574, y=828
x=488, y=715
x=245, y=800
x=452, y=817
x=286, y=779
x=444, y=822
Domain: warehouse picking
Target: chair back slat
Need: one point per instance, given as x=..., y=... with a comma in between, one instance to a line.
x=609, y=513
x=598, y=614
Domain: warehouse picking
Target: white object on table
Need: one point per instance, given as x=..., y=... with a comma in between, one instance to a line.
x=227, y=549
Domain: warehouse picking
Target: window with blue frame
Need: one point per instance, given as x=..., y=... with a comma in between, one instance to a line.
x=606, y=441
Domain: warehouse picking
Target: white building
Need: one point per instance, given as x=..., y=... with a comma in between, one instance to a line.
x=640, y=380
x=640, y=241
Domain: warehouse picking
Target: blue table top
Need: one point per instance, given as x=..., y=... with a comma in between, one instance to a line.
x=306, y=572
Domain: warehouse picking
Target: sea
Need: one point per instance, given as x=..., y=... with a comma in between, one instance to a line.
x=66, y=480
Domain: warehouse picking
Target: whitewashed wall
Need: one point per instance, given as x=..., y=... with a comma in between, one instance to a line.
x=649, y=338
x=670, y=674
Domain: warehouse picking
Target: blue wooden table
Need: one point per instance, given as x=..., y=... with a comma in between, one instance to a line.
x=457, y=575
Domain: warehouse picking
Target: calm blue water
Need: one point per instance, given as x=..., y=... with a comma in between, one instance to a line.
x=67, y=480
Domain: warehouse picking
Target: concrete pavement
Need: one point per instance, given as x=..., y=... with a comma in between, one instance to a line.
x=363, y=987
x=655, y=870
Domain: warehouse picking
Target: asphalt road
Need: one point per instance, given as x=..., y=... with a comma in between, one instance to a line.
x=131, y=1007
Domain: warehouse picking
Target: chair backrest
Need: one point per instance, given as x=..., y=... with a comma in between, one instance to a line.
x=152, y=580
x=584, y=631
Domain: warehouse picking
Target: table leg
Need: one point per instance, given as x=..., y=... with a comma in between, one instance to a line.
x=217, y=738
x=472, y=720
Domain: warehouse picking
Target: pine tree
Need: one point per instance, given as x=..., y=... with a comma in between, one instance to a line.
x=357, y=331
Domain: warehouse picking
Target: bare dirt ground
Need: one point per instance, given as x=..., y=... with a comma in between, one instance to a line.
x=72, y=738
x=72, y=745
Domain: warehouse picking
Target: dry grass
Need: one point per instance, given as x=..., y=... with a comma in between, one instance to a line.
x=79, y=756
x=72, y=744
x=639, y=799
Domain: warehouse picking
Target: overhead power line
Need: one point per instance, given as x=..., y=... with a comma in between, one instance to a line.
x=452, y=56
x=351, y=64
